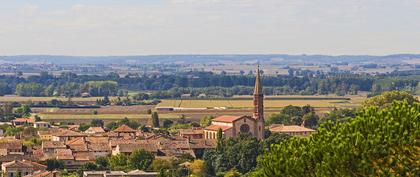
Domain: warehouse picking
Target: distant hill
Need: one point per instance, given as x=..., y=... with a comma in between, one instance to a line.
x=272, y=58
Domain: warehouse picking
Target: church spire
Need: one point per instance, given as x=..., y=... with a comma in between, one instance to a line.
x=258, y=97
x=258, y=88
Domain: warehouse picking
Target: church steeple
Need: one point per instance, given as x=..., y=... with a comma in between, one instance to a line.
x=258, y=89
x=258, y=106
x=258, y=97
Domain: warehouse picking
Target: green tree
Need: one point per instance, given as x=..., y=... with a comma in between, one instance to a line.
x=233, y=173
x=97, y=123
x=387, y=98
x=24, y=111
x=140, y=159
x=118, y=162
x=102, y=163
x=206, y=121
x=240, y=152
x=54, y=164
x=12, y=131
x=161, y=164
x=155, y=119
x=378, y=142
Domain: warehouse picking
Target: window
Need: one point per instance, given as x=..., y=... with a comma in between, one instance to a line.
x=244, y=128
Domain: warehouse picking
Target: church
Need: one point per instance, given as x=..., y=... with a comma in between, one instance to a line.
x=231, y=126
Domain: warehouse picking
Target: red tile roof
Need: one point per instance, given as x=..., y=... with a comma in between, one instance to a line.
x=23, y=120
x=289, y=128
x=217, y=127
x=228, y=119
x=124, y=129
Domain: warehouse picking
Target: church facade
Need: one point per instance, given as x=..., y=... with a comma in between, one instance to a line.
x=231, y=126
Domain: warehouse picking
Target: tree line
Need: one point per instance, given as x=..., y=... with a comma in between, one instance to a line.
x=196, y=83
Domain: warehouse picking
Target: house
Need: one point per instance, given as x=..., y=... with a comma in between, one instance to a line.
x=50, y=147
x=192, y=133
x=11, y=157
x=135, y=173
x=293, y=130
x=46, y=135
x=66, y=135
x=125, y=131
x=42, y=124
x=22, y=122
x=85, y=95
x=44, y=174
x=21, y=168
x=95, y=130
x=11, y=147
x=185, y=96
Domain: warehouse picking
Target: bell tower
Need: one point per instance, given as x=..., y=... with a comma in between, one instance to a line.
x=258, y=106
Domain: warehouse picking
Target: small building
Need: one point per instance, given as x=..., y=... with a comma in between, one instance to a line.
x=11, y=147
x=192, y=133
x=293, y=130
x=95, y=130
x=42, y=125
x=185, y=96
x=85, y=95
x=202, y=95
x=125, y=131
x=21, y=168
x=66, y=135
x=22, y=122
x=50, y=147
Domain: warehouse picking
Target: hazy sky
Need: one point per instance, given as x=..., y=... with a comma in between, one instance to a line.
x=131, y=27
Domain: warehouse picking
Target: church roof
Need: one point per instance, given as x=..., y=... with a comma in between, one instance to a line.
x=217, y=127
x=228, y=119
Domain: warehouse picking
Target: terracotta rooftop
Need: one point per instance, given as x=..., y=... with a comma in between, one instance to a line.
x=53, y=145
x=10, y=144
x=289, y=128
x=228, y=119
x=64, y=154
x=95, y=130
x=191, y=131
x=203, y=143
x=69, y=133
x=124, y=129
x=217, y=127
x=132, y=147
x=23, y=120
x=24, y=164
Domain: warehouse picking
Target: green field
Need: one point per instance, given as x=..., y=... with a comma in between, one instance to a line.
x=354, y=101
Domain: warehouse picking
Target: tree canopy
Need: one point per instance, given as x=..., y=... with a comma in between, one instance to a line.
x=378, y=142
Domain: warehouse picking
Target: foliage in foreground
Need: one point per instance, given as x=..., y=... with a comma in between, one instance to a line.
x=378, y=142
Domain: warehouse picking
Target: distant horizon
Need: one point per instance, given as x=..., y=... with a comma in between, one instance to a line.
x=210, y=54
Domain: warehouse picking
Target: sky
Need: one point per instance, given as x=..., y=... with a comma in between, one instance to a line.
x=151, y=27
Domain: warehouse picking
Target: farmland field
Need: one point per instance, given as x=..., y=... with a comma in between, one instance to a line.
x=101, y=116
x=315, y=101
x=14, y=98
